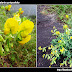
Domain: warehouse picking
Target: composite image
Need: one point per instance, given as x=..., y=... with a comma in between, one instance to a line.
x=35, y=35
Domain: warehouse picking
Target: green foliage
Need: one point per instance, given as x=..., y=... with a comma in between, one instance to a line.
x=61, y=46
x=61, y=12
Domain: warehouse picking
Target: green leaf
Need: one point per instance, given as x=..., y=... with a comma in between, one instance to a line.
x=25, y=62
x=44, y=49
x=13, y=58
x=19, y=38
x=46, y=55
x=8, y=42
x=24, y=18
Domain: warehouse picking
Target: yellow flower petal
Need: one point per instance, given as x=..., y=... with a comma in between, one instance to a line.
x=50, y=66
x=26, y=27
x=55, y=51
x=54, y=27
x=20, y=9
x=67, y=16
x=50, y=63
x=16, y=16
x=55, y=59
x=61, y=50
x=40, y=48
x=70, y=37
x=25, y=40
x=52, y=31
x=62, y=37
x=65, y=26
x=43, y=55
x=59, y=41
x=52, y=46
x=51, y=53
x=8, y=9
x=57, y=32
x=9, y=6
x=11, y=25
x=49, y=48
x=22, y=12
x=7, y=31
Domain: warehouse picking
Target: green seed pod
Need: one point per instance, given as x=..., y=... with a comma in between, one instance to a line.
x=2, y=7
x=6, y=48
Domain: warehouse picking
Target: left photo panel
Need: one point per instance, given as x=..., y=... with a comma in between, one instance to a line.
x=17, y=35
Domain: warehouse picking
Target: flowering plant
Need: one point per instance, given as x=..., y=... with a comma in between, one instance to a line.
x=61, y=46
x=15, y=32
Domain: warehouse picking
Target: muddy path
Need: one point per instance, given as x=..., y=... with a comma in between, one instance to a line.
x=45, y=24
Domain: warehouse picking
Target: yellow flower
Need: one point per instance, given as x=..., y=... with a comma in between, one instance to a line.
x=50, y=66
x=20, y=9
x=55, y=59
x=50, y=63
x=22, y=12
x=40, y=48
x=57, y=32
x=52, y=31
x=61, y=64
x=67, y=16
x=11, y=25
x=70, y=37
x=62, y=37
x=26, y=27
x=65, y=26
x=66, y=32
x=61, y=50
x=49, y=48
x=55, y=51
x=9, y=6
x=8, y=9
x=51, y=53
x=6, y=31
x=54, y=27
x=25, y=40
x=16, y=16
x=59, y=41
x=52, y=46
x=43, y=55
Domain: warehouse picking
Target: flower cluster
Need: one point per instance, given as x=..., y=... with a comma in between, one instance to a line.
x=20, y=11
x=25, y=28
x=8, y=7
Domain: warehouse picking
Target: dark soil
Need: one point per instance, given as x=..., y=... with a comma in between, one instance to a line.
x=45, y=24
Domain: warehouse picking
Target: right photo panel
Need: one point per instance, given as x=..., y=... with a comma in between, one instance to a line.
x=54, y=35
